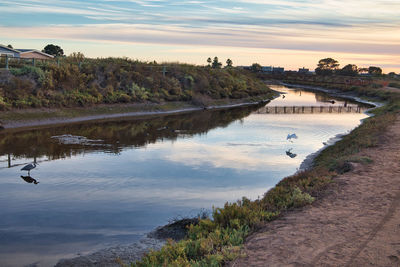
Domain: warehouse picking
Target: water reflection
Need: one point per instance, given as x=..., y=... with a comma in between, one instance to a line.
x=113, y=136
x=290, y=153
x=29, y=179
x=109, y=182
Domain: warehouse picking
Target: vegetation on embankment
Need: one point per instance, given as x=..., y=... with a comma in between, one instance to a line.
x=119, y=80
x=361, y=86
x=216, y=240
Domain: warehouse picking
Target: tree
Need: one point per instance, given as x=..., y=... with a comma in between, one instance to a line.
x=327, y=66
x=229, y=63
x=255, y=67
x=216, y=64
x=10, y=46
x=349, y=70
x=53, y=50
x=363, y=71
x=209, y=61
x=376, y=71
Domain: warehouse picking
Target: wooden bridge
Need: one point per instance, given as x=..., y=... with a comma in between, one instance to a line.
x=310, y=109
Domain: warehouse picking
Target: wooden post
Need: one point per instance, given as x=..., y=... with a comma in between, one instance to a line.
x=9, y=160
x=6, y=62
x=33, y=62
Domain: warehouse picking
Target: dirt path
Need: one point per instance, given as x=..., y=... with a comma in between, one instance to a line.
x=356, y=224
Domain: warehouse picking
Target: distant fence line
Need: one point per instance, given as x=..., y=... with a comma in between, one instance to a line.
x=7, y=62
x=310, y=109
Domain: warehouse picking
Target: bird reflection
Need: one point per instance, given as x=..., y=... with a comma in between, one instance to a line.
x=290, y=154
x=29, y=179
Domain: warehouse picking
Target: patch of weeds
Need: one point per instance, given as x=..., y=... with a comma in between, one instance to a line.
x=362, y=160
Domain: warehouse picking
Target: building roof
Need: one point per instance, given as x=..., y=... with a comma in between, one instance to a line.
x=22, y=51
x=11, y=49
x=25, y=50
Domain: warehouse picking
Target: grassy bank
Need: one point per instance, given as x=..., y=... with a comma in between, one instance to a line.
x=121, y=80
x=216, y=240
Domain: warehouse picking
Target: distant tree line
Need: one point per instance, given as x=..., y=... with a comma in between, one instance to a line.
x=215, y=64
x=330, y=66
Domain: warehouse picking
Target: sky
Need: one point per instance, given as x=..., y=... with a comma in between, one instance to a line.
x=287, y=33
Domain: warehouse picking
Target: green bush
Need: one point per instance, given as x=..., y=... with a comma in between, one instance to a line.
x=120, y=80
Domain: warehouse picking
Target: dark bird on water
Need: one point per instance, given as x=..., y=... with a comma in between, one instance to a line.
x=29, y=167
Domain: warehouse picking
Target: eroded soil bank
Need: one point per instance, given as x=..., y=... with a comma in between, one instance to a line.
x=356, y=223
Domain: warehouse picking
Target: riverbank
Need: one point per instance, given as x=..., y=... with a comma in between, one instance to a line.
x=354, y=223
x=34, y=118
x=231, y=224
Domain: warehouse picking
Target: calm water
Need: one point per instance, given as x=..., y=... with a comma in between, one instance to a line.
x=106, y=183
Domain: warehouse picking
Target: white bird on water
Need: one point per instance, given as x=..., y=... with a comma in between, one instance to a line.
x=291, y=136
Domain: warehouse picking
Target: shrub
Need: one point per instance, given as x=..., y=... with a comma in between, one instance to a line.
x=119, y=80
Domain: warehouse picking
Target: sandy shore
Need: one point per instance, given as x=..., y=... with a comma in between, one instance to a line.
x=355, y=224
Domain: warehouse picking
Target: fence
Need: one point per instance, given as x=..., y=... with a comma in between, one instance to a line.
x=310, y=109
x=7, y=62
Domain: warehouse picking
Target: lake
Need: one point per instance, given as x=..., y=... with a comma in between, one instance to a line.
x=105, y=183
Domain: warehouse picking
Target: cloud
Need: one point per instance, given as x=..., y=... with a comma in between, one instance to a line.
x=307, y=39
x=294, y=25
